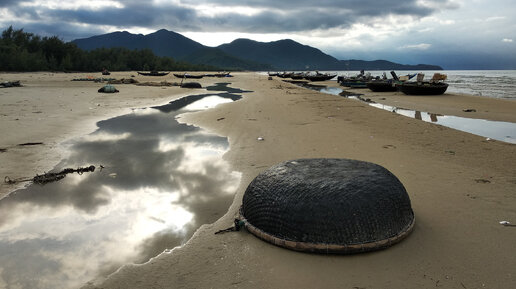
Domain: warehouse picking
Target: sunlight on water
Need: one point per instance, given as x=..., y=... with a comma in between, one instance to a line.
x=160, y=181
x=499, y=130
x=205, y=103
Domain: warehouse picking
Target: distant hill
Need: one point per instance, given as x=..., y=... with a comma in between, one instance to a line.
x=283, y=54
x=240, y=54
x=290, y=55
x=383, y=65
x=216, y=57
x=161, y=42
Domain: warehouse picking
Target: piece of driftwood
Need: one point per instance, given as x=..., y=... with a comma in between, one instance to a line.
x=51, y=177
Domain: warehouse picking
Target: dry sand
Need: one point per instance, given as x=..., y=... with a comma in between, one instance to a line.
x=460, y=185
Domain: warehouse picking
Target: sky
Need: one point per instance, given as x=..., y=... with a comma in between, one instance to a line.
x=456, y=34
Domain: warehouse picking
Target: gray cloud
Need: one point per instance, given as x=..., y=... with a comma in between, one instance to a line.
x=7, y=3
x=273, y=16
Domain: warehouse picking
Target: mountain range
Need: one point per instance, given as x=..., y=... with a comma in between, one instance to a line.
x=240, y=54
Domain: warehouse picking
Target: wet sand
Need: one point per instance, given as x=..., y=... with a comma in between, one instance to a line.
x=461, y=185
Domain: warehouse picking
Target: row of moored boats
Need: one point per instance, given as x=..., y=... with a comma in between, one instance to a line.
x=434, y=86
x=304, y=75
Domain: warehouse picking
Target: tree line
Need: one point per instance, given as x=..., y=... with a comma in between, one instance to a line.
x=21, y=51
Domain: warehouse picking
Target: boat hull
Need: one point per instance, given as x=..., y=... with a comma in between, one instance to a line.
x=153, y=73
x=319, y=77
x=188, y=76
x=423, y=89
x=381, y=86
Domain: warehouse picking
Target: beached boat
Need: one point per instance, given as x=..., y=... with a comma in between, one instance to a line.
x=297, y=76
x=422, y=88
x=285, y=74
x=381, y=85
x=353, y=82
x=435, y=86
x=221, y=74
x=358, y=81
x=319, y=77
x=186, y=75
x=357, y=85
x=153, y=73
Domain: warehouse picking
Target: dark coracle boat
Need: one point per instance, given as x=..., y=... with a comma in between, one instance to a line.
x=153, y=73
x=422, y=88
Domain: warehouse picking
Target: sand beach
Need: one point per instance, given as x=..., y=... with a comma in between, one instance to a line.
x=461, y=185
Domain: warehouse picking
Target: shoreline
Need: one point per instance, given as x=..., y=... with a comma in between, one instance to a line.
x=456, y=215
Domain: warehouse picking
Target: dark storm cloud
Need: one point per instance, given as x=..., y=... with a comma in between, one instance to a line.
x=63, y=30
x=267, y=16
x=146, y=16
x=6, y=3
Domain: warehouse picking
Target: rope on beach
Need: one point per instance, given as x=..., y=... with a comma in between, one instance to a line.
x=51, y=177
x=236, y=227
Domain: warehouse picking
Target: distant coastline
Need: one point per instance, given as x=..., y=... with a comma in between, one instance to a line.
x=240, y=54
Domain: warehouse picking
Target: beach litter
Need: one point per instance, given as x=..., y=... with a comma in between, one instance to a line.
x=260, y=138
x=507, y=224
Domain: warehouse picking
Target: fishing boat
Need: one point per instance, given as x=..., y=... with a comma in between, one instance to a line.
x=422, y=88
x=436, y=85
x=297, y=76
x=285, y=74
x=319, y=76
x=358, y=81
x=186, y=75
x=153, y=73
x=353, y=82
x=381, y=85
x=220, y=74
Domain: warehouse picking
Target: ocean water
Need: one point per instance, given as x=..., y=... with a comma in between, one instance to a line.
x=488, y=83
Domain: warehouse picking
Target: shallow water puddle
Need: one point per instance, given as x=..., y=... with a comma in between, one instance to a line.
x=160, y=181
x=499, y=130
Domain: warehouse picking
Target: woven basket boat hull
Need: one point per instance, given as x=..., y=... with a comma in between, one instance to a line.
x=328, y=206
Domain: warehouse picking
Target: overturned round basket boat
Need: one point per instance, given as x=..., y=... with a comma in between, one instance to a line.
x=327, y=206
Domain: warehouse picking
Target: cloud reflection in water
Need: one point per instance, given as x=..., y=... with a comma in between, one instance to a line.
x=161, y=181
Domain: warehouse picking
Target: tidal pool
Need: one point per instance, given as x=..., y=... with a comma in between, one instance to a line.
x=160, y=180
